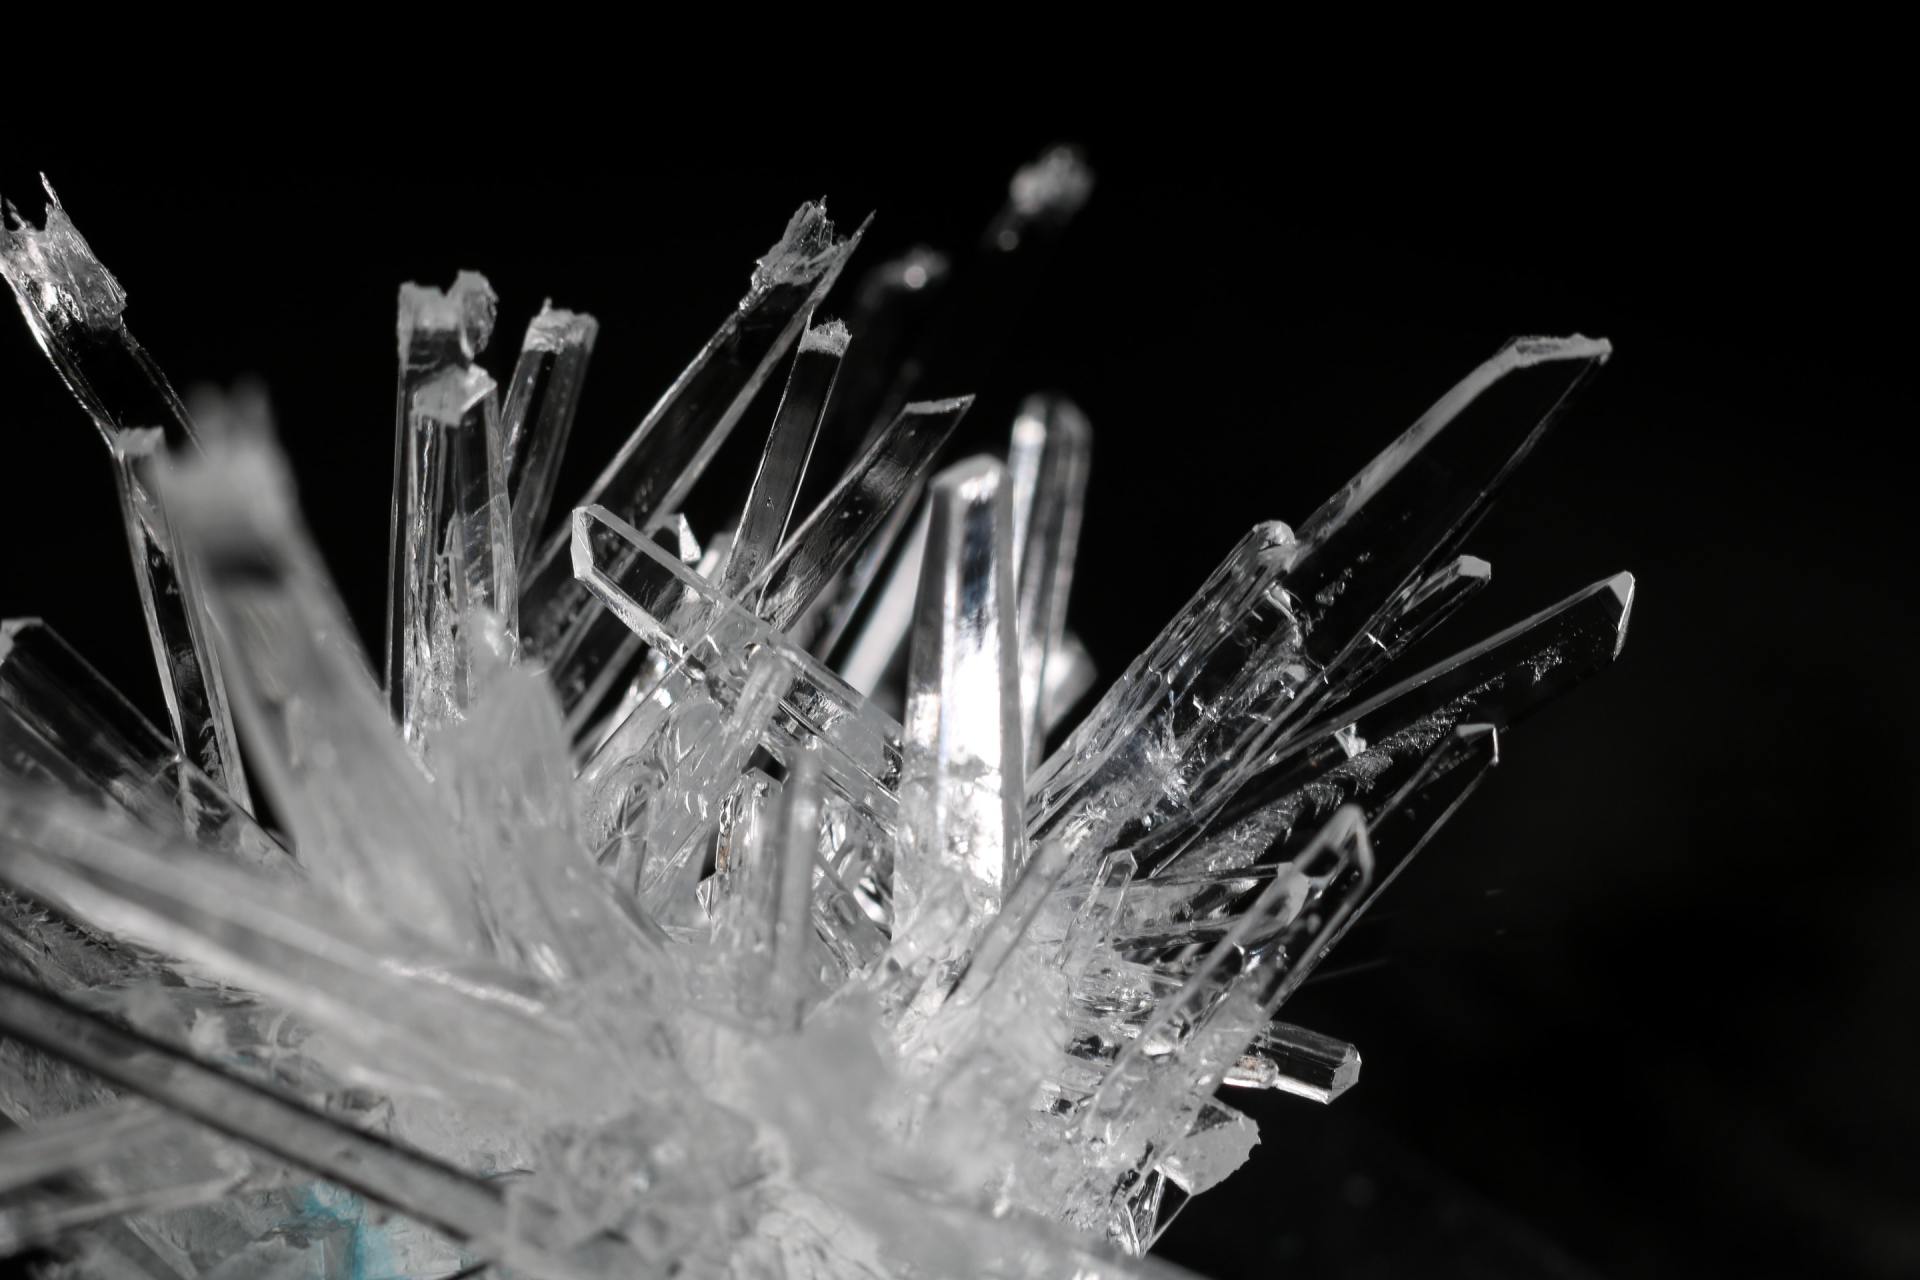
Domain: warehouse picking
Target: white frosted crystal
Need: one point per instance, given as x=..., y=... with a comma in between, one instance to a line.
x=657, y=945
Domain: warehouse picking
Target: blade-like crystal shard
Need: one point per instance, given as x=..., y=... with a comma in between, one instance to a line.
x=61, y=722
x=1047, y=460
x=667, y=951
x=667, y=605
x=458, y=558
x=106, y=1161
x=1411, y=506
x=1410, y=620
x=358, y=807
x=870, y=493
x=1295, y=1060
x=1200, y=710
x=654, y=471
x=465, y=1207
x=538, y=416
x=1499, y=682
x=1166, y=730
x=783, y=465
x=408, y=1010
x=963, y=776
x=75, y=308
x=440, y=332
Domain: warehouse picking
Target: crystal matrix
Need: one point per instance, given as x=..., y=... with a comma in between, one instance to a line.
x=707, y=902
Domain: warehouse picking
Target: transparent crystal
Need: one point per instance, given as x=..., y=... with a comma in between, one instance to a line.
x=636, y=940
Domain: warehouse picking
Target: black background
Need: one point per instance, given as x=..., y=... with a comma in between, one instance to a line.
x=1648, y=1007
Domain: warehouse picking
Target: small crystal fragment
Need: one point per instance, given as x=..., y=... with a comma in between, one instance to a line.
x=1297, y=1061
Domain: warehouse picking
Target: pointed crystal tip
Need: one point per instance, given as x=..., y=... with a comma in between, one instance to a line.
x=830, y=336
x=53, y=271
x=1622, y=584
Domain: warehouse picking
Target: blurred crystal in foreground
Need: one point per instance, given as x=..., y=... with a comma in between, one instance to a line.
x=705, y=901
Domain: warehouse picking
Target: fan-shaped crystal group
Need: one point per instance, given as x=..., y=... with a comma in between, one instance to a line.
x=707, y=902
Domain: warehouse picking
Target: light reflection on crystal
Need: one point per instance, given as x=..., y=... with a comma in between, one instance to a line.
x=667, y=948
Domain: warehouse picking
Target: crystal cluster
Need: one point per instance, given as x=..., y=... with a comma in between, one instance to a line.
x=707, y=902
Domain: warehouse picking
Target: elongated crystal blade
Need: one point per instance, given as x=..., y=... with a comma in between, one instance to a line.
x=1500, y=681
x=354, y=799
x=64, y=723
x=177, y=624
x=537, y=417
x=458, y=558
x=75, y=309
x=1407, y=621
x=963, y=784
x=669, y=606
x=656, y=468
x=783, y=464
x=1174, y=724
x=1297, y=1061
x=408, y=1011
x=440, y=332
x=1048, y=459
x=1248, y=679
x=868, y=495
x=105, y=1161
x=466, y=1207
x=1405, y=513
